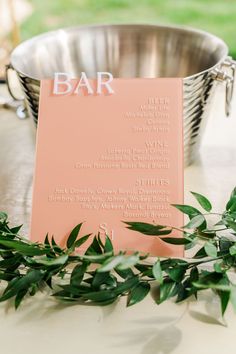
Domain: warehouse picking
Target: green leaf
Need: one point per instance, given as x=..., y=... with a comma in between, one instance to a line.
x=201, y=253
x=107, y=302
x=74, y=291
x=176, y=240
x=16, y=229
x=231, y=224
x=219, y=267
x=126, y=285
x=191, y=212
x=172, y=262
x=224, y=300
x=125, y=273
x=177, y=273
x=210, y=249
x=195, y=222
x=33, y=276
x=46, y=240
x=210, y=234
x=143, y=267
x=66, y=296
x=187, y=209
x=98, y=296
x=105, y=280
x=233, y=296
x=148, y=229
x=7, y=276
x=203, y=201
x=95, y=258
x=3, y=216
x=157, y=272
x=143, y=226
x=111, y=263
x=194, y=274
x=108, y=247
x=56, y=248
x=128, y=262
x=81, y=241
x=202, y=285
x=78, y=274
x=49, y=262
x=33, y=289
x=11, y=263
x=23, y=247
x=19, y=297
x=94, y=248
x=233, y=193
x=138, y=293
x=232, y=250
x=73, y=235
x=212, y=280
x=166, y=290
x=184, y=290
x=231, y=204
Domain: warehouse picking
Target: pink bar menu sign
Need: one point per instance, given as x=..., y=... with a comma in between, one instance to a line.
x=103, y=159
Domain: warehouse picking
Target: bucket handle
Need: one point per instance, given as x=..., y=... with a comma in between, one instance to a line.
x=18, y=102
x=226, y=73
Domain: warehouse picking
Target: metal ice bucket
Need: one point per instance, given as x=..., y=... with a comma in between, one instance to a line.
x=132, y=51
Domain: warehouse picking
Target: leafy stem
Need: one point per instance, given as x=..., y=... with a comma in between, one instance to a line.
x=101, y=275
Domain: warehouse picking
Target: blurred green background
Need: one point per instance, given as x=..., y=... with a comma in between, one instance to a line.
x=218, y=17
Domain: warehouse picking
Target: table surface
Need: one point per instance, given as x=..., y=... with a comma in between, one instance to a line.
x=47, y=326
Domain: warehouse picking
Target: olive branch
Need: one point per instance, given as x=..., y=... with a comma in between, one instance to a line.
x=101, y=276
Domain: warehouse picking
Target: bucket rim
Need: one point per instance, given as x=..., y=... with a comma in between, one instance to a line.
x=180, y=28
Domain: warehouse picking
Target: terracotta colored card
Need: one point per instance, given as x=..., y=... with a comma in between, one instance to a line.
x=106, y=158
